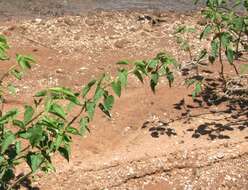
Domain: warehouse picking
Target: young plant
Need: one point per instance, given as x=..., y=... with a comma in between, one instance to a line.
x=47, y=125
x=227, y=28
x=184, y=42
x=185, y=45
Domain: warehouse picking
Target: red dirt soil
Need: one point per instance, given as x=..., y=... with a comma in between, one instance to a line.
x=150, y=143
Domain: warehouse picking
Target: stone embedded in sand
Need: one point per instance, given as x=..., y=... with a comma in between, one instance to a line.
x=76, y=37
x=90, y=22
x=121, y=43
x=60, y=71
x=38, y=20
x=82, y=70
x=68, y=21
x=202, y=22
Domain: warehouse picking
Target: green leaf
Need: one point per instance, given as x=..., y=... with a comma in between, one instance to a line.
x=201, y=55
x=18, y=123
x=225, y=39
x=1, y=160
x=230, y=55
x=3, y=40
x=84, y=122
x=24, y=135
x=214, y=48
x=138, y=75
x=87, y=88
x=185, y=46
x=180, y=29
x=73, y=100
x=10, y=115
x=108, y=102
x=116, y=86
x=191, y=30
x=24, y=61
x=58, y=141
x=167, y=59
x=141, y=67
x=65, y=152
x=12, y=89
x=57, y=110
x=122, y=77
x=35, y=135
x=18, y=147
x=206, y=32
x=41, y=93
x=154, y=81
x=101, y=106
x=190, y=82
x=17, y=74
x=28, y=114
x=8, y=139
x=197, y=90
x=98, y=94
x=3, y=47
x=34, y=161
x=62, y=91
x=170, y=78
x=152, y=64
x=52, y=123
x=8, y=175
x=123, y=62
x=72, y=130
x=90, y=108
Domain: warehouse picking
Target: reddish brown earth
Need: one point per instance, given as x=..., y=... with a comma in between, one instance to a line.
x=161, y=141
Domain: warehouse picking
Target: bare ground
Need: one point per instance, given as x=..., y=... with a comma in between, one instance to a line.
x=161, y=141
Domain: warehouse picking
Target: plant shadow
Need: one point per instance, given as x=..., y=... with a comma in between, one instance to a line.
x=159, y=128
x=232, y=115
x=26, y=184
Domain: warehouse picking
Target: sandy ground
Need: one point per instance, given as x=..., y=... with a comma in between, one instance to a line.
x=151, y=142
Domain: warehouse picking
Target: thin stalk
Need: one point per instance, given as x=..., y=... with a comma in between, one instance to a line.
x=190, y=54
x=7, y=73
x=221, y=61
x=83, y=107
x=236, y=70
x=238, y=40
x=34, y=118
x=76, y=117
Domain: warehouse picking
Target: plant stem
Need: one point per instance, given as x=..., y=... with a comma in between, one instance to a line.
x=76, y=117
x=7, y=73
x=238, y=41
x=34, y=118
x=190, y=54
x=221, y=62
x=236, y=70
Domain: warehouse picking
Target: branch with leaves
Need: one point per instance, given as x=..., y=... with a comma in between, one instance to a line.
x=47, y=126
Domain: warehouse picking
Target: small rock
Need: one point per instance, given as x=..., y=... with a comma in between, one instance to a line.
x=220, y=155
x=12, y=28
x=68, y=21
x=121, y=43
x=38, y=20
x=90, y=22
x=76, y=37
x=60, y=71
x=83, y=68
x=202, y=22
